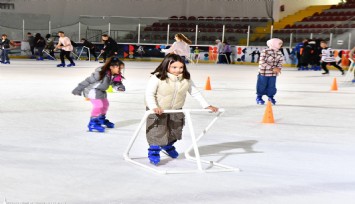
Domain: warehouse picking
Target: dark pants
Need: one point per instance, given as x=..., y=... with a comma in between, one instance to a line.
x=40, y=51
x=67, y=55
x=5, y=55
x=266, y=85
x=324, y=66
x=92, y=51
x=228, y=57
x=32, y=48
x=298, y=59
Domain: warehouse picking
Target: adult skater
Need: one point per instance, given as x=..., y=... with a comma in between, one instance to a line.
x=94, y=87
x=110, y=47
x=270, y=65
x=39, y=44
x=5, y=49
x=166, y=90
x=91, y=48
x=66, y=47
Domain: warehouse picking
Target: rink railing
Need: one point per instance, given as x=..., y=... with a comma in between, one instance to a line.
x=193, y=146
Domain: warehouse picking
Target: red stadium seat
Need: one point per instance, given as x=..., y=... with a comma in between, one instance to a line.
x=192, y=18
x=183, y=18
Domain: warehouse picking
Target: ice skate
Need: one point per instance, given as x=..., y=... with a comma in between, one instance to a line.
x=71, y=65
x=170, y=150
x=95, y=124
x=61, y=65
x=153, y=154
x=106, y=122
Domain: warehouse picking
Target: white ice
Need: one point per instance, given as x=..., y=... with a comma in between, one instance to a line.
x=48, y=155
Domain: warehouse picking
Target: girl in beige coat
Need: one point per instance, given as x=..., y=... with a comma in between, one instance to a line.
x=166, y=90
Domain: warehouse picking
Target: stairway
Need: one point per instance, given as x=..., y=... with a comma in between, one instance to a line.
x=260, y=32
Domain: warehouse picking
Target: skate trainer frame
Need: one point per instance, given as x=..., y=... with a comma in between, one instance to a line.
x=197, y=158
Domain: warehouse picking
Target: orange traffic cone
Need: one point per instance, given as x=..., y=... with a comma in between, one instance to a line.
x=208, y=84
x=87, y=99
x=268, y=115
x=334, y=85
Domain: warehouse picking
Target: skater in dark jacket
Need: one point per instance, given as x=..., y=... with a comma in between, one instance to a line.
x=39, y=43
x=5, y=49
x=94, y=87
x=110, y=47
x=89, y=46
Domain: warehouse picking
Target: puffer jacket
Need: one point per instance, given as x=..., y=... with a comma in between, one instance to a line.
x=94, y=88
x=170, y=94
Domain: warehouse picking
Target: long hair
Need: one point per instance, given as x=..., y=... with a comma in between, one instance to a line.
x=162, y=69
x=183, y=38
x=112, y=61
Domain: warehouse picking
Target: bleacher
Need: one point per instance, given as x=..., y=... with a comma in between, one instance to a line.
x=337, y=20
x=209, y=28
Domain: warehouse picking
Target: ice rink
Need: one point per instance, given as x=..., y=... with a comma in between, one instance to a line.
x=47, y=154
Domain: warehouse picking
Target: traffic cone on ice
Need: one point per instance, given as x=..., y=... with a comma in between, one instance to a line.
x=110, y=89
x=87, y=99
x=208, y=84
x=334, y=85
x=268, y=115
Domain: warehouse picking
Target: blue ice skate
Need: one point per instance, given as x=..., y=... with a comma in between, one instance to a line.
x=353, y=81
x=40, y=59
x=272, y=100
x=71, y=65
x=95, y=124
x=106, y=122
x=153, y=154
x=61, y=65
x=170, y=150
x=259, y=100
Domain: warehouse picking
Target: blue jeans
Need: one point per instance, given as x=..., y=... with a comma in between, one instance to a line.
x=266, y=85
x=5, y=55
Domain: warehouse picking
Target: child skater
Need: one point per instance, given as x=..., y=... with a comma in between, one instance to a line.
x=166, y=90
x=94, y=87
x=180, y=47
x=328, y=58
x=270, y=65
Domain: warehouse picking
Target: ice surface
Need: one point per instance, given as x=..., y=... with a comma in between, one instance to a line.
x=47, y=154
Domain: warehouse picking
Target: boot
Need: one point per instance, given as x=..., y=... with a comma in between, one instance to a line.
x=104, y=121
x=259, y=100
x=153, y=154
x=71, y=65
x=40, y=59
x=61, y=65
x=95, y=124
x=170, y=150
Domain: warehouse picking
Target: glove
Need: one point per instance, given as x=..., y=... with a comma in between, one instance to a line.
x=77, y=91
x=118, y=86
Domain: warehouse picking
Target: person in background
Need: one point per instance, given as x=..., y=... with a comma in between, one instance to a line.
x=181, y=46
x=50, y=47
x=227, y=50
x=90, y=46
x=110, y=47
x=328, y=58
x=66, y=47
x=352, y=57
x=219, y=45
x=31, y=41
x=39, y=44
x=5, y=49
x=270, y=65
